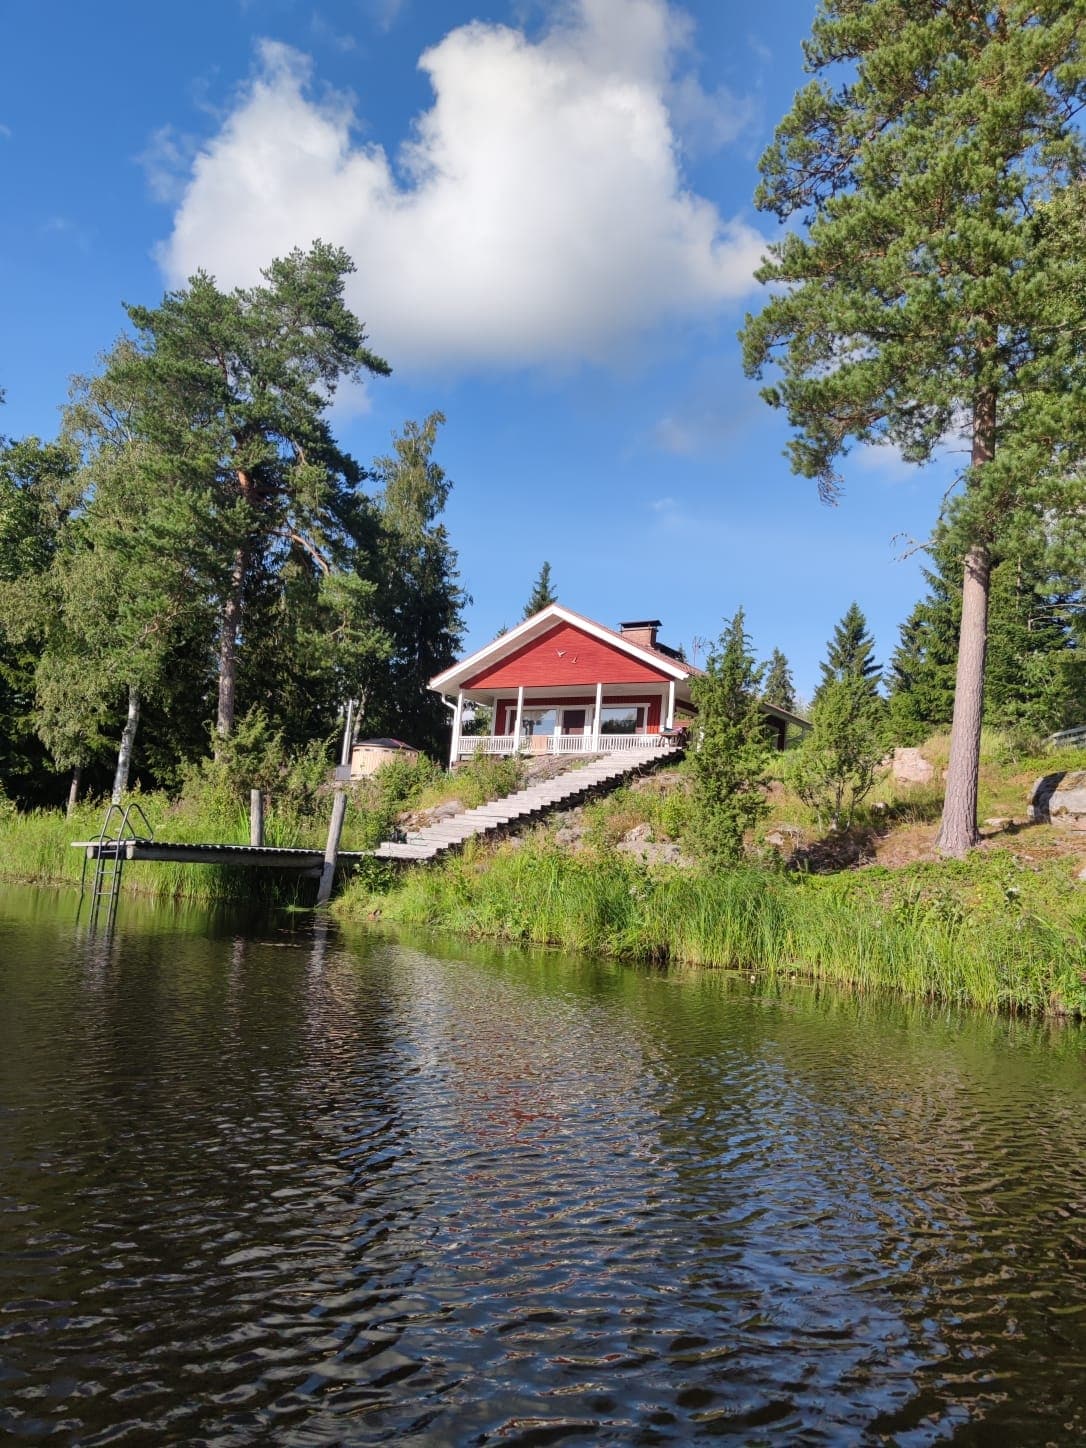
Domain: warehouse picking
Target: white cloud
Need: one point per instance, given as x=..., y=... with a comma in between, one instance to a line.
x=6, y=132
x=537, y=215
x=166, y=161
x=882, y=460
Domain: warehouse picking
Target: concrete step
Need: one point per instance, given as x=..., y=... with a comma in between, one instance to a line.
x=515, y=809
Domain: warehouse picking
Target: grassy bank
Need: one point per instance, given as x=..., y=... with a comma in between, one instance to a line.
x=985, y=931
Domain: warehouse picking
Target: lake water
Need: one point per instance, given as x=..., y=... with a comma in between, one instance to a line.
x=263, y=1182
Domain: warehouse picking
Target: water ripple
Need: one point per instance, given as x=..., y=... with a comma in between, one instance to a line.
x=286, y=1186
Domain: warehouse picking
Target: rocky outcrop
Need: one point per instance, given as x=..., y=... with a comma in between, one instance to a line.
x=909, y=766
x=1060, y=799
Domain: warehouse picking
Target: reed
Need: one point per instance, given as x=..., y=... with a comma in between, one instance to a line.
x=35, y=848
x=985, y=931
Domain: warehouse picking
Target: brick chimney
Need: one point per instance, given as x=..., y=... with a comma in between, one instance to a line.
x=640, y=631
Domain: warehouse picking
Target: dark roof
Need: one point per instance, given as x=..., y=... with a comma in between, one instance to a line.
x=384, y=744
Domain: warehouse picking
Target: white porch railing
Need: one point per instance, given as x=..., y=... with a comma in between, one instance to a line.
x=565, y=744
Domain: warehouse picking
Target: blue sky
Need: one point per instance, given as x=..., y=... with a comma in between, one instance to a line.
x=550, y=208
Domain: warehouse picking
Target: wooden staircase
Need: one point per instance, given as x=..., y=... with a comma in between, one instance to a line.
x=525, y=807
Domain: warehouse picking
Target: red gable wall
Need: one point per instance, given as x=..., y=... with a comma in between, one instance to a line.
x=565, y=655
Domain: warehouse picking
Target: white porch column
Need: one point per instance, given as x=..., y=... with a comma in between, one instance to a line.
x=671, y=705
x=458, y=713
x=597, y=720
x=520, y=719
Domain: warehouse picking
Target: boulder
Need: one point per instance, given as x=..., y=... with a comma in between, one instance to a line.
x=1059, y=799
x=910, y=767
x=638, y=835
x=650, y=853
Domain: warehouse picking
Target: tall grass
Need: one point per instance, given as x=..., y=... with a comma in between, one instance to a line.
x=35, y=848
x=983, y=932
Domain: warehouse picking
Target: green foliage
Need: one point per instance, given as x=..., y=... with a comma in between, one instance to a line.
x=244, y=380
x=850, y=655
x=399, y=783
x=35, y=486
x=489, y=776
x=729, y=765
x=420, y=602
x=542, y=594
x=295, y=781
x=778, y=688
x=1036, y=676
x=199, y=544
x=834, y=767
x=985, y=932
x=937, y=162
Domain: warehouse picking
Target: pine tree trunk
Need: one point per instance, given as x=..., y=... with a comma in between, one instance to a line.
x=73, y=790
x=958, y=832
x=228, y=648
x=128, y=741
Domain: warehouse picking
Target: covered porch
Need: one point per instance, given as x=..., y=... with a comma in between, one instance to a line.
x=606, y=719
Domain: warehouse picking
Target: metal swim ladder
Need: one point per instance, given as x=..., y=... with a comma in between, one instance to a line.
x=110, y=852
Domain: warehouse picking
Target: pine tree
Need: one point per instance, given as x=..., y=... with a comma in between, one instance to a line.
x=850, y=655
x=730, y=763
x=248, y=376
x=542, y=594
x=779, y=688
x=937, y=161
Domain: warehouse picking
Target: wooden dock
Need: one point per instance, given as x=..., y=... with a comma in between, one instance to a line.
x=268, y=857
x=597, y=776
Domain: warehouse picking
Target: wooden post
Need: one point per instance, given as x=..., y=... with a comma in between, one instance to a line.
x=517, y=741
x=671, y=705
x=597, y=722
x=331, y=849
x=256, y=817
x=457, y=725
x=348, y=733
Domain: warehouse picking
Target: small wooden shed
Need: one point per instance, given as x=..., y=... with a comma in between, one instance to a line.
x=368, y=755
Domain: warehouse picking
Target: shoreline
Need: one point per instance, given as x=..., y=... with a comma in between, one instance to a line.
x=986, y=932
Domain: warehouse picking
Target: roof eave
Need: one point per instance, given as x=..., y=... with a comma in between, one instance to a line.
x=497, y=648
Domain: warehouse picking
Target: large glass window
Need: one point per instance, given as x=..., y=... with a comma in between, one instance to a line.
x=623, y=719
x=533, y=721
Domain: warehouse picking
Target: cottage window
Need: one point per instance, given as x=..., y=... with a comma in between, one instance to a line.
x=623, y=719
x=533, y=721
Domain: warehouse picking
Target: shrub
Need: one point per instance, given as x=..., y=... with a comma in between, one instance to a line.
x=489, y=776
x=834, y=768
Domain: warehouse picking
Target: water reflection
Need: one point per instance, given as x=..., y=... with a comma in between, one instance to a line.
x=260, y=1180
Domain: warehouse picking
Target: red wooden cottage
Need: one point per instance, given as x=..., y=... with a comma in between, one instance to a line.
x=560, y=683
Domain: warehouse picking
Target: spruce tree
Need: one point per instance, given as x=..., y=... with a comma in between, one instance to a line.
x=1036, y=674
x=779, y=688
x=542, y=594
x=937, y=162
x=850, y=655
x=730, y=760
x=421, y=600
